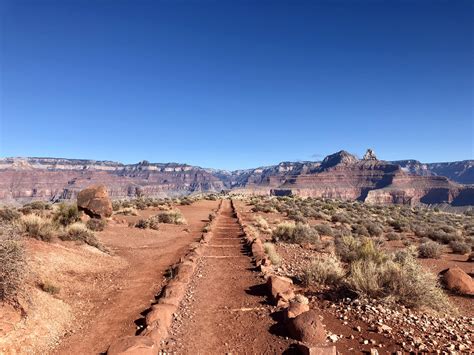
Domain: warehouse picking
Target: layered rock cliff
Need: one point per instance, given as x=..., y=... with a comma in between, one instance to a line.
x=340, y=175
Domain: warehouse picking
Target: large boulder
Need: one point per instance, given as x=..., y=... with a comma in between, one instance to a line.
x=95, y=201
x=133, y=345
x=456, y=280
x=281, y=289
x=308, y=328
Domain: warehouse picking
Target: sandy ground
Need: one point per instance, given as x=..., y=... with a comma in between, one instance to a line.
x=101, y=296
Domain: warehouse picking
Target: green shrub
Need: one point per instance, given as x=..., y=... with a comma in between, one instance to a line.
x=460, y=247
x=36, y=227
x=324, y=270
x=171, y=217
x=66, y=214
x=12, y=268
x=96, y=224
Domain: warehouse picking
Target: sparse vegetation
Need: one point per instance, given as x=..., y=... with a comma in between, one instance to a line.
x=295, y=233
x=66, y=214
x=12, y=269
x=430, y=249
x=324, y=270
x=460, y=247
x=49, y=288
x=171, y=217
x=151, y=223
x=8, y=214
x=36, y=227
x=96, y=224
x=272, y=253
x=79, y=232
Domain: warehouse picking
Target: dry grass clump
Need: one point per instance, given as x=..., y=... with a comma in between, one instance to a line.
x=401, y=278
x=36, y=227
x=324, y=270
x=96, y=224
x=49, y=288
x=295, y=233
x=272, y=253
x=66, y=214
x=8, y=214
x=171, y=217
x=262, y=224
x=12, y=269
x=430, y=249
x=127, y=211
x=79, y=232
x=350, y=249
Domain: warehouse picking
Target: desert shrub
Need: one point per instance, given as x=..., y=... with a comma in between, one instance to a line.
x=374, y=229
x=324, y=270
x=324, y=229
x=50, y=288
x=430, y=250
x=360, y=230
x=294, y=233
x=171, y=217
x=127, y=211
x=394, y=236
x=185, y=202
x=350, y=249
x=12, y=267
x=36, y=227
x=296, y=216
x=262, y=224
x=399, y=277
x=140, y=204
x=66, y=214
x=151, y=222
x=79, y=232
x=116, y=205
x=341, y=217
x=263, y=208
x=460, y=247
x=9, y=214
x=96, y=224
x=38, y=205
x=272, y=253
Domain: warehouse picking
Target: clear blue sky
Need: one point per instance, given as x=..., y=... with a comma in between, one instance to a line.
x=236, y=84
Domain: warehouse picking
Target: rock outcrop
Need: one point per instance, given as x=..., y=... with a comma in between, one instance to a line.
x=458, y=281
x=95, y=201
x=370, y=155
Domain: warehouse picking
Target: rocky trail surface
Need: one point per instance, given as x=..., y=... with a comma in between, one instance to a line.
x=224, y=310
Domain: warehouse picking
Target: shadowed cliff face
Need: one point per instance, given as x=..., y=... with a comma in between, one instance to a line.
x=340, y=175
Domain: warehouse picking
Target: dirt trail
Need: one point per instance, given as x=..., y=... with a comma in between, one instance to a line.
x=225, y=309
x=148, y=254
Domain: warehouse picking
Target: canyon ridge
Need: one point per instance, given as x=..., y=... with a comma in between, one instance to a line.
x=340, y=175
